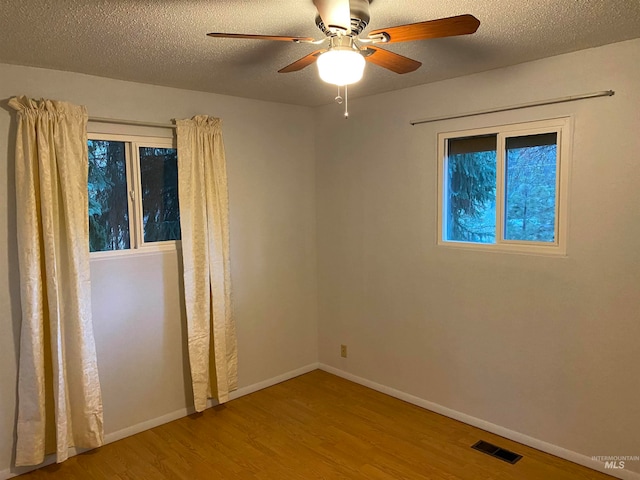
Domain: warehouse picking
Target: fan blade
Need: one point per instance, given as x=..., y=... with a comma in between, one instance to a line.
x=302, y=63
x=260, y=37
x=391, y=61
x=443, y=27
x=335, y=14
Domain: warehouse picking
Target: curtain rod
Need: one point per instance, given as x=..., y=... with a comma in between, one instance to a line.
x=604, y=93
x=131, y=122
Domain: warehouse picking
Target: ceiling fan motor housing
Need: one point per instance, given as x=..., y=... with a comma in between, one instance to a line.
x=359, y=18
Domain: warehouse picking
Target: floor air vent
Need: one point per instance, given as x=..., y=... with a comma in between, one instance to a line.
x=495, y=451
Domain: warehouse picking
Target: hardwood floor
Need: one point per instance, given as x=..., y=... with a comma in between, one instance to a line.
x=316, y=426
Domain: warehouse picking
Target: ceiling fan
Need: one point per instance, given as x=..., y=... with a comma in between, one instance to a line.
x=342, y=53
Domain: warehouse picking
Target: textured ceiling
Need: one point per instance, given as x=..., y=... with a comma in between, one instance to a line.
x=164, y=42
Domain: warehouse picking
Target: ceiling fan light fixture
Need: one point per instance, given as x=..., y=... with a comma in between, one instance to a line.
x=341, y=66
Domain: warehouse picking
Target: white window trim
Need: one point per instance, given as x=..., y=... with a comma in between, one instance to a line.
x=137, y=245
x=563, y=127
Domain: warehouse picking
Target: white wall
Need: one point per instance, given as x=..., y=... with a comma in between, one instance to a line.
x=547, y=347
x=136, y=302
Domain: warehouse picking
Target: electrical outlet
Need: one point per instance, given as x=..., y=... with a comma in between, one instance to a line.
x=343, y=351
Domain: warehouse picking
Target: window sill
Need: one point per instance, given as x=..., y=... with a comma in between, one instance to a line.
x=510, y=248
x=164, y=248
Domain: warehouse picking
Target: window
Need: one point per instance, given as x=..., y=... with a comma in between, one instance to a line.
x=504, y=188
x=133, y=193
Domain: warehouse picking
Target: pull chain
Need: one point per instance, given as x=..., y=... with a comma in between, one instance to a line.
x=339, y=100
x=346, y=102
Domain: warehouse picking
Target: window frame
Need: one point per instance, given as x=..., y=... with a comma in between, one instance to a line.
x=562, y=127
x=133, y=143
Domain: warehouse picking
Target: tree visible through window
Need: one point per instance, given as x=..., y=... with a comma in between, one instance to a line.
x=531, y=188
x=501, y=188
x=133, y=194
x=471, y=174
x=108, y=199
x=159, y=179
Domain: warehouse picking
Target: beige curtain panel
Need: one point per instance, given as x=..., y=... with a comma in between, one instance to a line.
x=59, y=398
x=204, y=221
